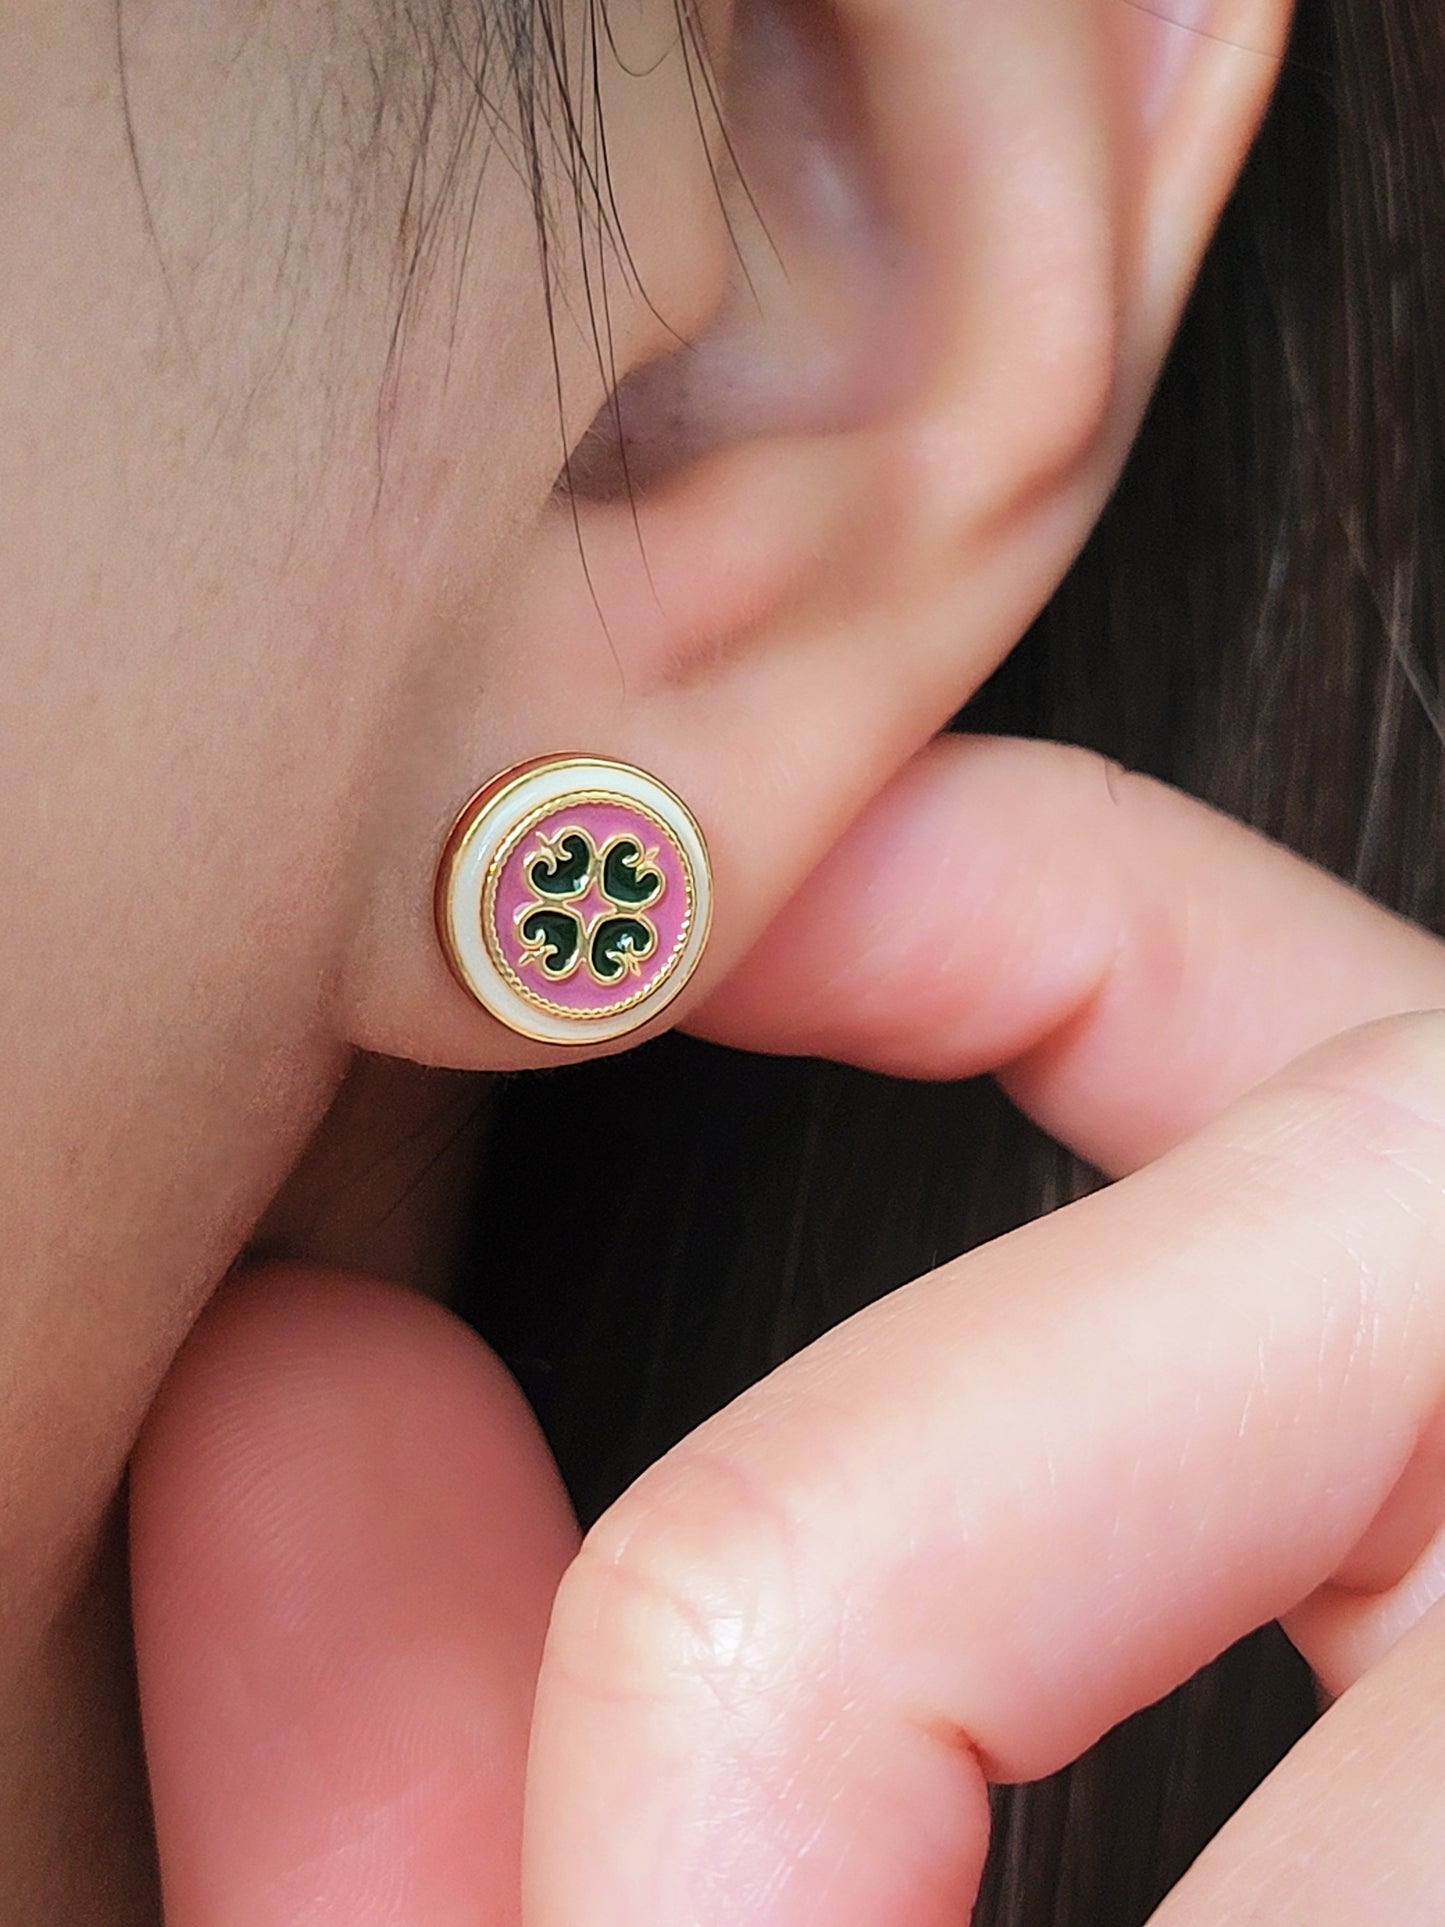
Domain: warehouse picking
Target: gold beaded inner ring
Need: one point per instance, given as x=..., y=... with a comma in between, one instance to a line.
x=574, y=898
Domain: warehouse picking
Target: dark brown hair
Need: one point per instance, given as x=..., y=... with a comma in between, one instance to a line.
x=1257, y=619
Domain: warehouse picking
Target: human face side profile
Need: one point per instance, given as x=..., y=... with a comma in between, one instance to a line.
x=289, y=571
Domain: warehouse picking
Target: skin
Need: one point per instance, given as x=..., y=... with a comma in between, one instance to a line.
x=279, y=592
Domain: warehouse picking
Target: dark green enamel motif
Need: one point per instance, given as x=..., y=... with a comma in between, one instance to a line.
x=618, y=945
x=592, y=906
x=557, y=936
x=622, y=882
x=563, y=873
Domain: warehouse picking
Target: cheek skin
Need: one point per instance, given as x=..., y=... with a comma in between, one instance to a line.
x=249, y=548
x=248, y=552
x=207, y=642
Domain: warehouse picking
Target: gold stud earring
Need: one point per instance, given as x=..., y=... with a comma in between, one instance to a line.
x=574, y=898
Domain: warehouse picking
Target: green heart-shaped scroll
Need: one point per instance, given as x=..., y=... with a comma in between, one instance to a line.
x=618, y=947
x=623, y=883
x=562, y=869
x=556, y=936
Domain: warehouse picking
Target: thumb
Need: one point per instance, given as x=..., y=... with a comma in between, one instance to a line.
x=346, y=1536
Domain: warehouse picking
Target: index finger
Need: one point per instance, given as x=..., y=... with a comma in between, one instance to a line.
x=990, y=1516
x=1128, y=960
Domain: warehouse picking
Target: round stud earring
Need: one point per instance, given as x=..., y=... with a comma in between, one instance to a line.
x=573, y=898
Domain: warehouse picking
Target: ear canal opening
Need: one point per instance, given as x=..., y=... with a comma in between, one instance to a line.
x=814, y=332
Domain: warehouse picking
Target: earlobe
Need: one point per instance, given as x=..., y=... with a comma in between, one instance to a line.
x=851, y=494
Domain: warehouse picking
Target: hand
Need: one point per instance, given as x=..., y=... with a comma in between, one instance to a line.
x=957, y=1538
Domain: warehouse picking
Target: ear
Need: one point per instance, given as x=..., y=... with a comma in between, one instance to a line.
x=794, y=545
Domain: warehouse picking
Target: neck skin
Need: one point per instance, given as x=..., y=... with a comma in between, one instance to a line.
x=123, y=1214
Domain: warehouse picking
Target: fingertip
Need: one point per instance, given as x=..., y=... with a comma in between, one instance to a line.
x=961, y=916
x=1128, y=961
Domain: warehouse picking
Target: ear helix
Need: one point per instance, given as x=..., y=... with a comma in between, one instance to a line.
x=574, y=898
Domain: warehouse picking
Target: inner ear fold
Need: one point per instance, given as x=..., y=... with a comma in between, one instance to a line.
x=814, y=332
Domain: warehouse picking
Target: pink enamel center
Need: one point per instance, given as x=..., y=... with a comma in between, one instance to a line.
x=510, y=898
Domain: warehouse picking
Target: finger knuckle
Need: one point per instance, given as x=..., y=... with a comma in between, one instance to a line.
x=1390, y=1070
x=684, y=1588
x=1334, y=1173
x=1358, y=1151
